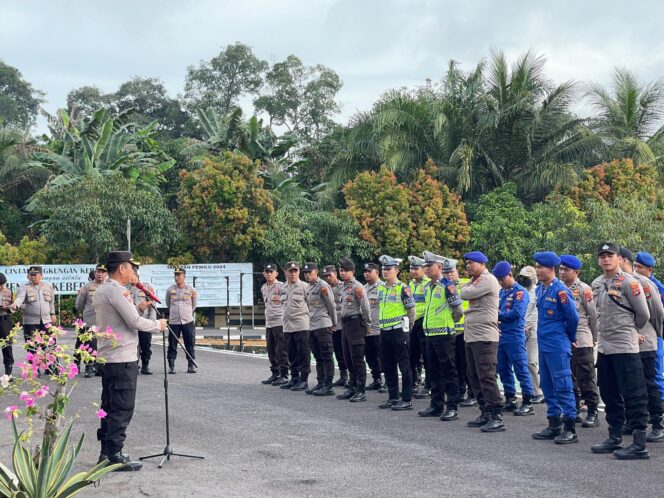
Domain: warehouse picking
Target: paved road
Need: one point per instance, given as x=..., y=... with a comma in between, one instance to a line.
x=261, y=441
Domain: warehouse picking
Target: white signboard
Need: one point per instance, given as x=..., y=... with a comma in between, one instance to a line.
x=210, y=280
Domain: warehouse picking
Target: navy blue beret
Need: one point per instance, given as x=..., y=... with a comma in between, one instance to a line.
x=547, y=258
x=502, y=269
x=645, y=258
x=570, y=261
x=476, y=256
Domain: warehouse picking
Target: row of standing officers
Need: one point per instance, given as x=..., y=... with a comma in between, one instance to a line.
x=552, y=334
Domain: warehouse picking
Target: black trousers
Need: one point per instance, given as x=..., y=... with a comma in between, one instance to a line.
x=482, y=359
x=276, y=350
x=583, y=374
x=5, y=329
x=188, y=333
x=649, y=360
x=462, y=365
x=394, y=353
x=353, y=343
x=622, y=386
x=91, y=343
x=441, y=353
x=145, y=345
x=118, y=397
x=29, y=332
x=322, y=348
x=337, y=342
x=372, y=353
x=299, y=353
x=418, y=351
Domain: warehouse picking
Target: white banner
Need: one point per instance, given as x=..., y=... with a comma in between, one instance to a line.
x=210, y=280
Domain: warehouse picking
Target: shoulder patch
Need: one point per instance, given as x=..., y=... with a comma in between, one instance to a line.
x=562, y=295
x=451, y=289
x=646, y=291
x=588, y=294
x=359, y=292
x=519, y=295
x=407, y=290
x=323, y=290
x=636, y=288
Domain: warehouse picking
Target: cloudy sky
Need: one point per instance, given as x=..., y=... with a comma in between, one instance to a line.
x=373, y=44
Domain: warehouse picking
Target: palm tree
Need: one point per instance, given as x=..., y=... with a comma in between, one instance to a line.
x=628, y=119
x=20, y=175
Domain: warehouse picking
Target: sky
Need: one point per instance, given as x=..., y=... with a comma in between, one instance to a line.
x=373, y=45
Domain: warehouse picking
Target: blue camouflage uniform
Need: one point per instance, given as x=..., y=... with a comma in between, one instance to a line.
x=513, y=304
x=556, y=331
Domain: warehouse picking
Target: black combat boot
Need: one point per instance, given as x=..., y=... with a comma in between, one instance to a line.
x=348, y=393
x=310, y=390
x=635, y=451
x=481, y=420
x=538, y=399
x=568, y=434
x=450, y=414
x=657, y=433
x=325, y=390
x=388, y=404
x=552, y=431
x=510, y=404
x=402, y=405
x=269, y=380
x=470, y=401
x=578, y=419
x=422, y=393
x=145, y=368
x=495, y=422
x=359, y=394
x=171, y=366
x=374, y=386
x=430, y=411
x=613, y=443
x=626, y=430
x=282, y=378
x=302, y=383
x=591, y=420
x=191, y=368
x=128, y=465
x=292, y=382
x=526, y=407
x=343, y=378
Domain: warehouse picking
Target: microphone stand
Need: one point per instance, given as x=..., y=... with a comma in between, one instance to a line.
x=168, y=451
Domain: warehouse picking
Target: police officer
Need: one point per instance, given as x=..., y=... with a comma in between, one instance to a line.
x=6, y=298
x=37, y=299
x=527, y=277
x=296, y=328
x=512, y=356
x=417, y=286
x=356, y=320
x=181, y=303
x=443, y=307
x=556, y=331
x=481, y=335
x=396, y=314
x=330, y=276
x=466, y=396
x=372, y=340
x=115, y=309
x=645, y=265
x=583, y=349
x=648, y=338
x=273, y=296
x=146, y=310
x=621, y=311
x=322, y=320
x=85, y=305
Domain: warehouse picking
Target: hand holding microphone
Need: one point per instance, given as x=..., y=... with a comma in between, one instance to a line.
x=148, y=294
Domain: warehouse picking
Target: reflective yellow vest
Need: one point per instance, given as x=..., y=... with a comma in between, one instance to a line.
x=438, y=318
x=458, y=326
x=419, y=295
x=390, y=305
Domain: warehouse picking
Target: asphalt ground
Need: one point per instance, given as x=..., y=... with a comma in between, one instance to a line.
x=263, y=441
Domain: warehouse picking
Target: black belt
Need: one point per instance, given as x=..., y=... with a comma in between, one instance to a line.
x=350, y=318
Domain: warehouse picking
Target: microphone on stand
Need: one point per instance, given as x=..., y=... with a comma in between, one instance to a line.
x=140, y=286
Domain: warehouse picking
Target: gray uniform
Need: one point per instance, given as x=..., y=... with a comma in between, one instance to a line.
x=338, y=290
x=37, y=301
x=115, y=309
x=621, y=311
x=586, y=332
x=653, y=327
x=85, y=302
x=531, y=341
x=296, y=309
x=374, y=305
x=481, y=322
x=355, y=303
x=181, y=304
x=139, y=297
x=322, y=309
x=273, y=297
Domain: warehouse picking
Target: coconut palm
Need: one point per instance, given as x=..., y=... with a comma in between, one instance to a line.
x=20, y=175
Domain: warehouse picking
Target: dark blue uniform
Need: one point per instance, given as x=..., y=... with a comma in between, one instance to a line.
x=556, y=331
x=659, y=362
x=512, y=354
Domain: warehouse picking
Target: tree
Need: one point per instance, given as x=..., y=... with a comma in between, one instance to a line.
x=86, y=220
x=26, y=252
x=20, y=175
x=83, y=102
x=219, y=83
x=301, y=98
x=19, y=101
x=224, y=208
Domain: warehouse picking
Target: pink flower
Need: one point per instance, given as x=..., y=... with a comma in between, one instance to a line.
x=101, y=413
x=72, y=371
x=11, y=412
x=42, y=391
x=27, y=399
x=79, y=323
x=28, y=357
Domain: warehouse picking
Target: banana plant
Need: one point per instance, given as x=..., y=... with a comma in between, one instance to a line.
x=48, y=475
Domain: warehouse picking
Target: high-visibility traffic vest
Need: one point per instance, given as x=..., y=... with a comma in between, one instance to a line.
x=458, y=326
x=438, y=318
x=419, y=295
x=390, y=306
